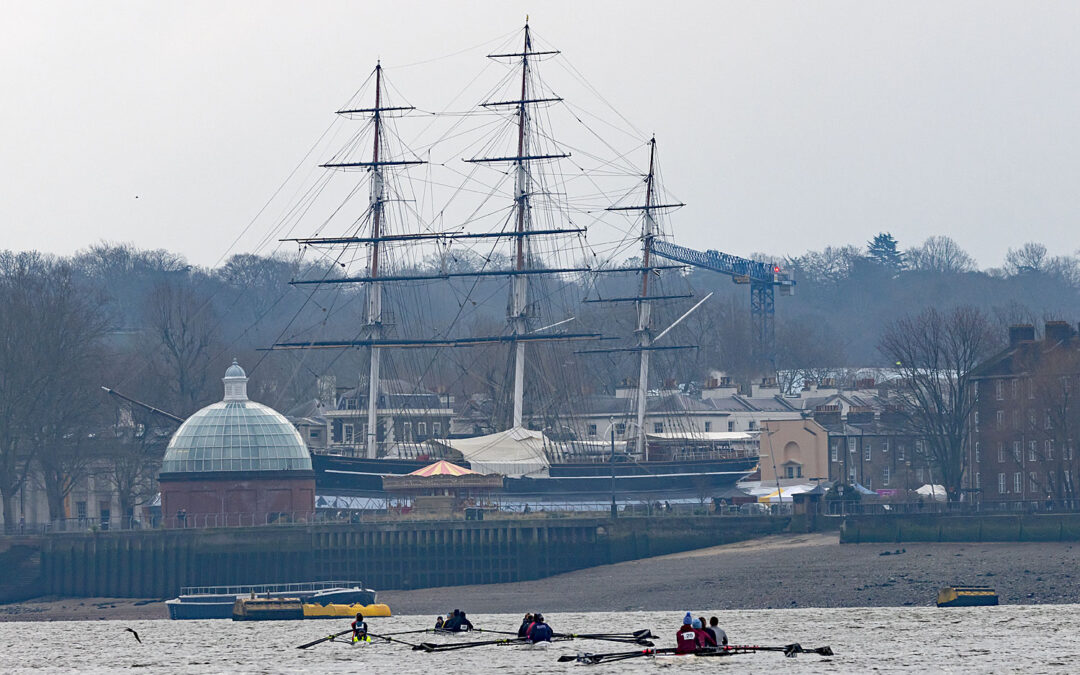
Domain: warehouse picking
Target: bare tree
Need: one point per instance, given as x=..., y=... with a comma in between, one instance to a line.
x=935, y=352
x=940, y=254
x=181, y=336
x=1028, y=259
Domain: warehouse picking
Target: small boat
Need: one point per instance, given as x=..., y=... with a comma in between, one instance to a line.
x=216, y=602
x=967, y=596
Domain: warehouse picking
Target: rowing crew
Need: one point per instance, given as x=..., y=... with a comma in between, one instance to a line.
x=456, y=622
x=359, y=629
x=695, y=634
x=534, y=629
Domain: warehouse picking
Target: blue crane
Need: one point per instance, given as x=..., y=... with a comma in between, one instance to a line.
x=764, y=279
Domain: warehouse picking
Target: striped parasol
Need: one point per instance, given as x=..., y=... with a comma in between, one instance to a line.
x=442, y=468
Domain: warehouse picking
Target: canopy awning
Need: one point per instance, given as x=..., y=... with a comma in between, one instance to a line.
x=441, y=468
x=784, y=494
x=514, y=452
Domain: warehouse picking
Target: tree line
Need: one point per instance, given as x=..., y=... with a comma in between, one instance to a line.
x=158, y=329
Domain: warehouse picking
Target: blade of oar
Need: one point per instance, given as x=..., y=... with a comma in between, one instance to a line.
x=324, y=639
x=589, y=636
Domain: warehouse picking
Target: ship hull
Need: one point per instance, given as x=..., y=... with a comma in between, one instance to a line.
x=355, y=476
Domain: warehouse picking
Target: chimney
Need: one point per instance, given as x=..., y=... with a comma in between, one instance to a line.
x=1023, y=332
x=1057, y=331
x=827, y=414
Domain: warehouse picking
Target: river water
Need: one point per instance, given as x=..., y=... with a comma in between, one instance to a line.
x=1029, y=639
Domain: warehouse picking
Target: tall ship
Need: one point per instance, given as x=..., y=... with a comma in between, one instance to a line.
x=488, y=203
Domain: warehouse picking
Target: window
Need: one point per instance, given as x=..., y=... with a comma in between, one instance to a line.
x=80, y=510
x=620, y=428
x=870, y=483
x=708, y=427
x=1031, y=390
x=1047, y=422
x=835, y=452
x=436, y=429
x=1033, y=484
x=313, y=433
x=1015, y=388
x=885, y=476
x=978, y=455
x=592, y=430
x=999, y=419
x=1018, y=451
x=406, y=431
x=1001, y=452
x=793, y=471
x=851, y=473
x=731, y=425
x=1049, y=449
x=851, y=445
x=978, y=480
x=753, y=425
x=347, y=433
x=999, y=390
x=1068, y=452
x=658, y=427
x=866, y=453
x=884, y=445
x=1001, y=484
x=1033, y=449
x=1016, y=419
x=976, y=420
x=1018, y=482
x=421, y=429
x=900, y=451
x=918, y=448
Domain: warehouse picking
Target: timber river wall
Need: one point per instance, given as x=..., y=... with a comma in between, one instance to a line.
x=1027, y=527
x=148, y=564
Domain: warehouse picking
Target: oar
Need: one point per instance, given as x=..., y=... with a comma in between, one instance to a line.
x=611, y=656
x=790, y=650
x=324, y=639
x=432, y=647
x=390, y=639
x=496, y=632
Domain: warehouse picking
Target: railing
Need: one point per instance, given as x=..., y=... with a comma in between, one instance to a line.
x=844, y=508
x=306, y=587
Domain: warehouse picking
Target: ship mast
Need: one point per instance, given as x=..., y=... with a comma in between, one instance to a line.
x=644, y=307
x=374, y=289
x=520, y=287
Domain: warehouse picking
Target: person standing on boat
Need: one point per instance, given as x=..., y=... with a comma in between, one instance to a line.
x=359, y=629
x=686, y=639
x=717, y=632
x=526, y=623
x=539, y=631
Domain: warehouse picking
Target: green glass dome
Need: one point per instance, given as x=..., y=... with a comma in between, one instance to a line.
x=236, y=434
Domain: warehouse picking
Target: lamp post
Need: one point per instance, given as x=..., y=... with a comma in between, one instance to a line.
x=614, y=508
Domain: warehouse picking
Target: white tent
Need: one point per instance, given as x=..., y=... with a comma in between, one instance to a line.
x=936, y=492
x=514, y=452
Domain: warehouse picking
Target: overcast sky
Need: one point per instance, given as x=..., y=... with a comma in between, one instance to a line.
x=785, y=126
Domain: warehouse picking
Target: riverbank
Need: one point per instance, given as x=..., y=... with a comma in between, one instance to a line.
x=781, y=571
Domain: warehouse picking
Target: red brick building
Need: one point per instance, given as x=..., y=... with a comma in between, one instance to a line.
x=1026, y=418
x=236, y=462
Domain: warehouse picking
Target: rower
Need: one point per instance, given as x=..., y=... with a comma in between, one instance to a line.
x=438, y=622
x=686, y=639
x=710, y=639
x=525, y=623
x=718, y=633
x=452, y=621
x=699, y=634
x=464, y=624
x=539, y=631
x=359, y=629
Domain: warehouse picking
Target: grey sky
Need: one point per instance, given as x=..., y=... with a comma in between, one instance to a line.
x=784, y=126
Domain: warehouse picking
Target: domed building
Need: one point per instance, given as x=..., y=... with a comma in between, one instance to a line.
x=236, y=462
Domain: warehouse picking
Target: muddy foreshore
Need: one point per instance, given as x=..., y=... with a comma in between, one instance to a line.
x=812, y=570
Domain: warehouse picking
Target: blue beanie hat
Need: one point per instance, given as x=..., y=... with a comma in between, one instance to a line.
x=696, y=624
x=687, y=619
